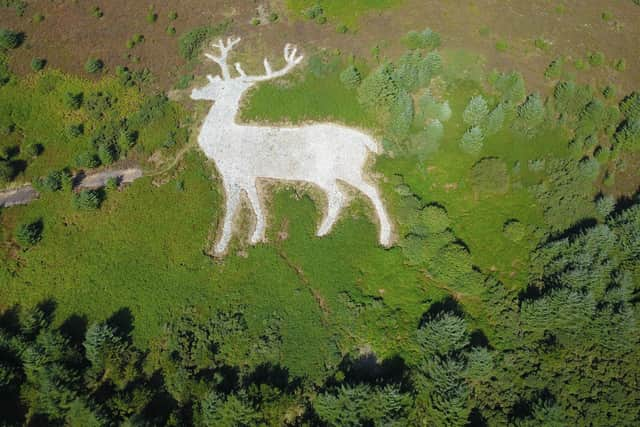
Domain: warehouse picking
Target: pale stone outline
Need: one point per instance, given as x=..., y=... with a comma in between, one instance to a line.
x=321, y=154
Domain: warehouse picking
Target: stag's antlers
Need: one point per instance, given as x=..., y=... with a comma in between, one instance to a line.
x=289, y=55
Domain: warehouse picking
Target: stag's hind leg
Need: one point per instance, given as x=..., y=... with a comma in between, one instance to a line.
x=385, y=224
x=254, y=199
x=336, y=201
x=232, y=203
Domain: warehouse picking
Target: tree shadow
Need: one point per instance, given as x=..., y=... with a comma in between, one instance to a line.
x=122, y=322
x=368, y=369
x=74, y=328
x=446, y=305
x=273, y=375
x=575, y=230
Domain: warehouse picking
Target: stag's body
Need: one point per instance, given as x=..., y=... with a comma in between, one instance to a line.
x=321, y=154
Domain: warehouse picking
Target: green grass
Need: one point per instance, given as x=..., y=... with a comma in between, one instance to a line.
x=343, y=11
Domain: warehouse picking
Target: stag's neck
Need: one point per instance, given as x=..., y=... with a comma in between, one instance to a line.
x=225, y=109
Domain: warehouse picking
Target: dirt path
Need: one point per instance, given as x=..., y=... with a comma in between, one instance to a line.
x=26, y=194
x=18, y=196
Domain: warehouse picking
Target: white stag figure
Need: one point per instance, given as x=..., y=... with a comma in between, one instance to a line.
x=321, y=154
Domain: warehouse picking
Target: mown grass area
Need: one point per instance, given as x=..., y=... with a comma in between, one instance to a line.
x=344, y=11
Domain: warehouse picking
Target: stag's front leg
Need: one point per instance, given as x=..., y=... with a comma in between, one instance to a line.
x=259, y=232
x=232, y=202
x=336, y=201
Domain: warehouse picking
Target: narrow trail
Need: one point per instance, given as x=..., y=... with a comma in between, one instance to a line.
x=26, y=193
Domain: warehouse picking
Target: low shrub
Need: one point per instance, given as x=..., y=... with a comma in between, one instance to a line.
x=34, y=149
x=433, y=219
x=87, y=200
x=29, y=233
x=255, y=21
x=93, y=65
x=37, y=64
x=172, y=16
x=171, y=30
x=38, y=18
x=97, y=12
x=427, y=39
x=76, y=130
x=351, y=77
x=620, y=65
x=596, y=59
x=191, y=42
x=313, y=12
x=502, y=45
x=10, y=39
x=554, y=69
x=273, y=17
x=87, y=159
x=152, y=15
x=73, y=100
x=514, y=230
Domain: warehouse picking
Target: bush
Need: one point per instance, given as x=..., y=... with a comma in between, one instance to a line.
x=171, y=30
x=152, y=16
x=351, y=77
x=596, y=59
x=554, y=69
x=88, y=159
x=471, y=142
x=38, y=64
x=313, y=12
x=620, y=65
x=87, y=200
x=54, y=181
x=490, y=175
x=427, y=39
x=10, y=39
x=111, y=184
x=191, y=42
x=38, y=18
x=34, y=149
x=75, y=131
x=342, y=29
x=93, y=65
x=30, y=233
x=97, y=12
x=433, y=219
x=273, y=17
x=514, y=230
x=73, y=101
x=476, y=111
x=173, y=15
x=255, y=21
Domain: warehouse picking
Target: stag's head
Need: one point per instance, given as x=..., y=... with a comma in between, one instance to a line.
x=218, y=85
